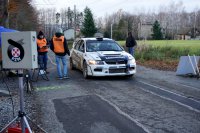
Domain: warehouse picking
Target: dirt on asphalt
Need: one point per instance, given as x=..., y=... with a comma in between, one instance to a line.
x=159, y=65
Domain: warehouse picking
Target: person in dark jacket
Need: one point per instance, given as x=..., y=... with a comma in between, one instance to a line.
x=130, y=43
x=60, y=48
x=42, y=48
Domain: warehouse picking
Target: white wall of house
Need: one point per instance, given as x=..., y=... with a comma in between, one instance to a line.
x=187, y=37
x=183, y=37
x=145, y=31
x=69, y=34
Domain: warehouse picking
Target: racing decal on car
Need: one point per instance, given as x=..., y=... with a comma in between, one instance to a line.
x=15, y=50
x=114, y=58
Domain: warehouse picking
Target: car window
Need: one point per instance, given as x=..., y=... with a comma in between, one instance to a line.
x=77, y=45
x=92, y=47
x=74, y=43
x=104, y=45
x=81, y=46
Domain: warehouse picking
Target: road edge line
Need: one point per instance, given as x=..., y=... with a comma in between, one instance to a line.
x=190, y=108
x=168, y=91
x=188, y=86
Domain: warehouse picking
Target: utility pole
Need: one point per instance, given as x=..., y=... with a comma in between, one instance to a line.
x=68, y=17
x=111, y=31
x=6, y=13
x=57, y=19
x=195, y=24
x=74, y=22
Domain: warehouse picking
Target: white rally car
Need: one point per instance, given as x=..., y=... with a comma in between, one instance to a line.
x=101, y=57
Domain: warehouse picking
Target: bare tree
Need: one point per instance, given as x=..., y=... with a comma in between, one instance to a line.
x=47, y=21
x=99, y=23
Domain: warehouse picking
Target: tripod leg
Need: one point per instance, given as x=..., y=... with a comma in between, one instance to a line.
x=27, y=125
x=36, y=125
x=27, y=84
x=3, y=130
x=22, y=125
x=33, y=74
x=21, y=91
x=29, y=87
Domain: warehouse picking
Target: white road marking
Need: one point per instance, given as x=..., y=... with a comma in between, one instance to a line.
x=124, y=114
x=198, y=89
x=167, y=91
x=189, y=107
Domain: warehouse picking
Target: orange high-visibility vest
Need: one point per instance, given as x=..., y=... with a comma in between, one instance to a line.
x=58, y=43
x=41, y=43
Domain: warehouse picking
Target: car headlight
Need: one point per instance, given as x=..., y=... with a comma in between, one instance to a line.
x=95, y=62
x=131, y=61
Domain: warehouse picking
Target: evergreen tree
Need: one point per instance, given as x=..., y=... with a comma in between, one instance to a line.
x=106, y=34
x=157, y=34
x=89, y=28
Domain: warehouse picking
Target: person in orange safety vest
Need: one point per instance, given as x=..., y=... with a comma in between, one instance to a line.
x=42, y=48
x=60, y=48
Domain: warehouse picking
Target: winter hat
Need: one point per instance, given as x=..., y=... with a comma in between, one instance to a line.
x=59, y=30
x=40, y=33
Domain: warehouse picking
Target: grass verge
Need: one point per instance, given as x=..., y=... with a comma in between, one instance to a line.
x=164, y=54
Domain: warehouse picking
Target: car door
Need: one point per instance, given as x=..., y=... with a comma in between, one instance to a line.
x=80, y=54
x=74, y=54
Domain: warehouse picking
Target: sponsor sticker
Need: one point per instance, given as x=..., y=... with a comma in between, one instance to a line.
x=15, y=51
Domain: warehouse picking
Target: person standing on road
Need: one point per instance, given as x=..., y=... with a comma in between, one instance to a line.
x=130, y=43
x=60, y=48
x=42, y=48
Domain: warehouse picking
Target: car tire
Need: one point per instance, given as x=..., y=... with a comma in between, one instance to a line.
x=85, y=70
x=71, y=65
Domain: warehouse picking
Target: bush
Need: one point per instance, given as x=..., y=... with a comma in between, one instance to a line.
x=70, y=43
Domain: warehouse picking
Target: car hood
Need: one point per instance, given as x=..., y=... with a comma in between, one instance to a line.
x=106, y=55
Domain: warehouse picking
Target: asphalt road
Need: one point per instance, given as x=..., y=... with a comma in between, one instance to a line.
x=151, y=101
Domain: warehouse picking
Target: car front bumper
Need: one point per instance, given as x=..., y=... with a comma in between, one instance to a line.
x=111, y=70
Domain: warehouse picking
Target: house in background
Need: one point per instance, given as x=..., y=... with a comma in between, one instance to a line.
x=145, y=30
x=188, y=34
x=183, y=34
x=69, y=34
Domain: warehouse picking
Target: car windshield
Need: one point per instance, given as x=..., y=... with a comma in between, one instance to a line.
x=103, y=45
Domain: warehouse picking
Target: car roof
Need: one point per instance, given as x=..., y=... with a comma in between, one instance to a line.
x=93, y=38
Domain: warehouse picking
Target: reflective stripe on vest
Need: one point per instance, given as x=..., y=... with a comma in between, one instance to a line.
x=41, y=43
x=58, y=43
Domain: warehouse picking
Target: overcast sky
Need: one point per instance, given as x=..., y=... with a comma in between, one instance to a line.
x=101, y=7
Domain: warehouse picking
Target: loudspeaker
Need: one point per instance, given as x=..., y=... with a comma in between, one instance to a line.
x=19, y=50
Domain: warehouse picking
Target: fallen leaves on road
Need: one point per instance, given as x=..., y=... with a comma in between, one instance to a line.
x=160, y=65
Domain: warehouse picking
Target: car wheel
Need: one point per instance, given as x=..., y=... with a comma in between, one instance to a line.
x=85, y=70
x=71, y=64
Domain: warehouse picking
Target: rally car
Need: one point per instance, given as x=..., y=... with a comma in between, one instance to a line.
x=101, y=57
